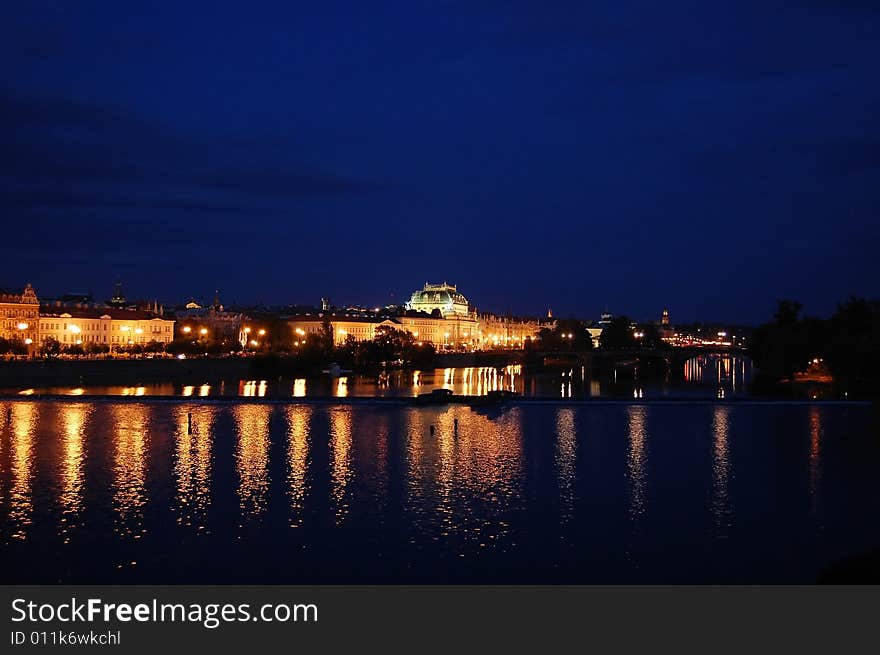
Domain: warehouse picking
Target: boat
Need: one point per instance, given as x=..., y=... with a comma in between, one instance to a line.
x=435, y=397
x=494, y=397
x=334, y=370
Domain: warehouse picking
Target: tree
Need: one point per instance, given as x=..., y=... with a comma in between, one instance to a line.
x=327, y=337
x=50, y=348
x=784, y=347
x=93, y=348
x=853, y=344
x=618, y=334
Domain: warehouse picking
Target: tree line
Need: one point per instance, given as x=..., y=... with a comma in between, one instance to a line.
x=847, y=343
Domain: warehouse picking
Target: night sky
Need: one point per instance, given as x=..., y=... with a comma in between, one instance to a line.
x=708, y=156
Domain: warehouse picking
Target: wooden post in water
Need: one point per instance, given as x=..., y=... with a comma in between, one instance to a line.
x=189, y=423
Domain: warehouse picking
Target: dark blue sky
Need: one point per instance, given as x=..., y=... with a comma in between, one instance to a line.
x=709, y=157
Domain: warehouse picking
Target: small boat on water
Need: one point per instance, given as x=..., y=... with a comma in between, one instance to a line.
x=334, y=370
x=435, y=397
x=494, y=397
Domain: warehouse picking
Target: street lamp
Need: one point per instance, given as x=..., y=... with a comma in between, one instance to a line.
x=203, y=331
x=187, y=329
x=262, y=333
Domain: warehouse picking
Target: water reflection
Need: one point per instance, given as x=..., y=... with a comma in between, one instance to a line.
x=566, y=447
x=728, y=373
x=815, y=455
x=252, y=457
x=463, y=476
x=720, y=505
x=340, y=460
x=73, y=421
x=23, y=418
x=708, y=375
x=192, y=466
x=130, y=433
x=637, y=460
x=298, y=420
x=341, y=387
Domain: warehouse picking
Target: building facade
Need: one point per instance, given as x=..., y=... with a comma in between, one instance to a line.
x=437, y=314
x=19, y=316
x=219, y=324
x=115, y=328
x=362, y=329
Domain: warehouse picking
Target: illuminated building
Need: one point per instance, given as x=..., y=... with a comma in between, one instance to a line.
x=443, y=298
x=361, y=329
x=220, y=324
x=19, y=313
x=114, y=328
x=436, y=314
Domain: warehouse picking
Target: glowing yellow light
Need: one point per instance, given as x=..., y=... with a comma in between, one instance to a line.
x=77, y=392
x=125, y=328
x=138, y=331
x=247, y=330
x=254, y=342
x=26, y=392
x=300, y=331
x=261, y=332
x=28, y=341
x=23, y=326
x=203, y=331
x=75, y=329
x=187, y=329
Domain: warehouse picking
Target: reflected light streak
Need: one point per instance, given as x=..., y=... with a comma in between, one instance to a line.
x=637, y=461
x=720, y=467
x=340, y=459
x=815, y=454
x=130, y=434
x=566, y=450
x=73, y=420
x=24, y=418
x=298, y=421
x=192, y=466
x=252, y=457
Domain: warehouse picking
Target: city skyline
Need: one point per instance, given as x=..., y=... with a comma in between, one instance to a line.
x=709, y=159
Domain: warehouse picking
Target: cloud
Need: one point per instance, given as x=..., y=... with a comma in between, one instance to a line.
x=59, y=152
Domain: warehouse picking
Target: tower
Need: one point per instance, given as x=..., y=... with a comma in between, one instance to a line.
x=118, y=299
x=664, y=319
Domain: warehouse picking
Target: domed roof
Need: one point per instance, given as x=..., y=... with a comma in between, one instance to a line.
x=444, y=297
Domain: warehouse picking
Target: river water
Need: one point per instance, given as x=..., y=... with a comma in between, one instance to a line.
x=105, y=491
x=705, y=376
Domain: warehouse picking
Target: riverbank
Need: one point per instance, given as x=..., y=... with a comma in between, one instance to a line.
x=81, y=373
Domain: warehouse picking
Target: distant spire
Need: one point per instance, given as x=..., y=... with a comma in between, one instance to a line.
x=118, y=298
